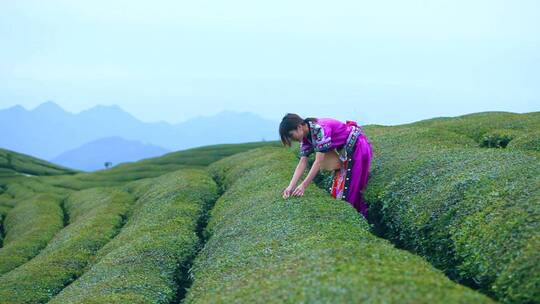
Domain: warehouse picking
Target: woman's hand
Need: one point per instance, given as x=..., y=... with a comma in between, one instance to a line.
x=287, y=192
x=299, y=191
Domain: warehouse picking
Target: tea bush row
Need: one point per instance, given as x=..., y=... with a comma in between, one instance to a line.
x=147, y=262
x=312, y=249
x=472, y=212
x=95, y=216
x=28, y=228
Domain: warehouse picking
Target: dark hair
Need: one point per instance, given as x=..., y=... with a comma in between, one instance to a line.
x=291, y=122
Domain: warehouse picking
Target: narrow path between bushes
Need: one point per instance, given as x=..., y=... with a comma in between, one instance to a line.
x=2, y=219
x=378, y=228
x=2, y=230
x=65, y=214
x=183, y=279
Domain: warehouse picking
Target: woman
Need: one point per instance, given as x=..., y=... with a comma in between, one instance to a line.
x=324, y=136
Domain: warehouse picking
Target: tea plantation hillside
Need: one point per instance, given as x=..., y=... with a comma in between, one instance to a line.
x=12, y=163
x=33, y=194
x=17, y=177
x=454, y=218
x=262, y=248
x=449, y=190
x=19, y=180
x=463, y=192
x=152, y=167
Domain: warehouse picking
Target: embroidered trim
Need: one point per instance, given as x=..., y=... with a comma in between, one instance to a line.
x=323, y=144
x=352, y=138
x=320, y=142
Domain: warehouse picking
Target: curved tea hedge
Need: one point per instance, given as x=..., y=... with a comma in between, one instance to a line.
x=28, y=227
x=95, y=215
x=262, y=248
x=152, y=167
x=18, y=163
x=488, y=128
x=526, y=141
x=473, y=212
x=147, y=262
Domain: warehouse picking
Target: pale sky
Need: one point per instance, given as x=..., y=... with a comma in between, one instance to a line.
x=384, y=62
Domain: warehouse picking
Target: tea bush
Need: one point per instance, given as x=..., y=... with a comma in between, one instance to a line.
x=95, y=215
x=264, y=249
x=18, y=163
x=526, y=141
x=472, y=212
x=496, y=138
x=476, y=125
x=151, y=167
x=28, y=228
x=147, y=262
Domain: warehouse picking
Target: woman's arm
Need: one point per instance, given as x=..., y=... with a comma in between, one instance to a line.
x=296, y=176
x=319, y=157
x=299, y=191
x=302, y=164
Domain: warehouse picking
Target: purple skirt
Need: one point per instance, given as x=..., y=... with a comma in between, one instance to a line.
x=351, y=180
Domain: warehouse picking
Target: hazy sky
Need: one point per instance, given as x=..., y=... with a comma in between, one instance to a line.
x=385, y=62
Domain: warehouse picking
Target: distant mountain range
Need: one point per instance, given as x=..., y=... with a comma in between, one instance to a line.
x=49, y=132
x=93, y=155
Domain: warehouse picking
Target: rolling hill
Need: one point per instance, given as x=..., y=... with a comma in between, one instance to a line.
x=454, y=218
